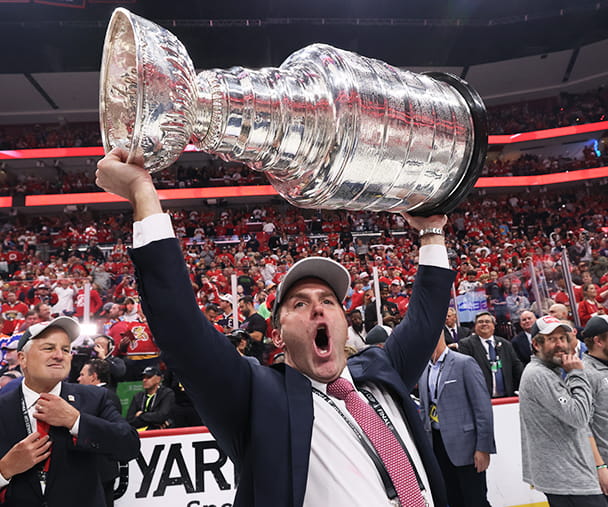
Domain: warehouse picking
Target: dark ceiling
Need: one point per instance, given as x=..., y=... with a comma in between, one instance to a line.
x=45, y=38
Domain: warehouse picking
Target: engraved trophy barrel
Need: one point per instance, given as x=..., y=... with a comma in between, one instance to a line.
x=329, y=128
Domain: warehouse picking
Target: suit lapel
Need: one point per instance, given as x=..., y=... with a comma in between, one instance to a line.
x=16, y=424
x=481, y=354
x=446, y=371
x=299, y=399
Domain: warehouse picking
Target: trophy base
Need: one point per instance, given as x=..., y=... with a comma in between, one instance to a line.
x=478, y=156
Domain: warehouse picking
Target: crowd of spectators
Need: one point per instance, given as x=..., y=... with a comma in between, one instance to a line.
x=491, y=241
x=560, y=111
x=212, y=172
x=531, y=164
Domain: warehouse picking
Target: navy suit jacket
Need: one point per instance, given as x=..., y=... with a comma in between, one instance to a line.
x=464, y=408
x=522, y=347
x=76, y=469
x=262, y=417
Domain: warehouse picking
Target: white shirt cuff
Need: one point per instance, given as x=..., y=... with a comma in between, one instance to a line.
x=74, y=429
x=152, y=228
x=3, y=482
x=433, y=255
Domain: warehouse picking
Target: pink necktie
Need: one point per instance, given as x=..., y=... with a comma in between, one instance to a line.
x=388, y=448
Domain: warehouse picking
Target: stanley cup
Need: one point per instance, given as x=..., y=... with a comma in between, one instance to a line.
x=329, y=128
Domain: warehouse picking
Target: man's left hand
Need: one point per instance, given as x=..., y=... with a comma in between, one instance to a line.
x=419, y=223
x=55, y=411
x=482, y=461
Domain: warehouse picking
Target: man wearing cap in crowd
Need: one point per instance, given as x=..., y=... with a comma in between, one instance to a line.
x=151, y=409
x=10, y=356
x=292, y=419
x=554, y=416
x=225, y=319
x=52, y=431
x=595, y=360
x=110, y=314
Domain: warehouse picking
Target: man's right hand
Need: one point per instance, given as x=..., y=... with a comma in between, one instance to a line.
x=130, y=181
x=25, y=454
x=571, y=362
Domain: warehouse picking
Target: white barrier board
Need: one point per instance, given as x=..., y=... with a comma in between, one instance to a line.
x=189, y=470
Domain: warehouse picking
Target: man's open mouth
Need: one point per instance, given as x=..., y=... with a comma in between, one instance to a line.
x=322, y=340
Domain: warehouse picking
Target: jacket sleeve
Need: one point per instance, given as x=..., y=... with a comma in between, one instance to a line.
x=412, y=342
x=133, y=407
x=216, y=377
x=464, y=347
x=517, y=368
x=106, y=432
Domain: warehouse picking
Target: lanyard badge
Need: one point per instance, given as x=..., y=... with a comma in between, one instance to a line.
x=433, y=415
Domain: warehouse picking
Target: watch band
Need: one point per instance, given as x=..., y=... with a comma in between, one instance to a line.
x=431, y=230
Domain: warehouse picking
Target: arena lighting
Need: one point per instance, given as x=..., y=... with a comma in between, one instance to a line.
x=88, y=329
x=182, y=193
x=548, y=134
x=540, y=180
x=97, y=151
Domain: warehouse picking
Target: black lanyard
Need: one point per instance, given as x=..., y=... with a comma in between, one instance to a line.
x=375, y=404
x=386, y=480
x=437, y=379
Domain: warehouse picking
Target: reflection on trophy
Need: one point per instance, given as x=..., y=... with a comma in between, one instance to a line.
x=330, y=129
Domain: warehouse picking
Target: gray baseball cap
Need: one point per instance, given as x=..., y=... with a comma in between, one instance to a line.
x=68, y=324
x=328, y=270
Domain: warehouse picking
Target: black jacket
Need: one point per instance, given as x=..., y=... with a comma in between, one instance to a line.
x=159, y=412
x=511, y=365
x=75, y=476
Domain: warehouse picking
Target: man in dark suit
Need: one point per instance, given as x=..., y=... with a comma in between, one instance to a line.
x=495, y=355
x=452, y=331
x=522, y=341
x=263, y=418
x=456, y=411
x=53, y=433
x=96, y=372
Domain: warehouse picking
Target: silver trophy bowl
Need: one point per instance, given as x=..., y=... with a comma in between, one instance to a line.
x=329, y=128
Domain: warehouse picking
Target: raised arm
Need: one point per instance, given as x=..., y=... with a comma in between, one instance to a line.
x=413, y=341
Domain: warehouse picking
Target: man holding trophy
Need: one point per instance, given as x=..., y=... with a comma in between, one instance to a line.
x=292, y=441
x=331, y=130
